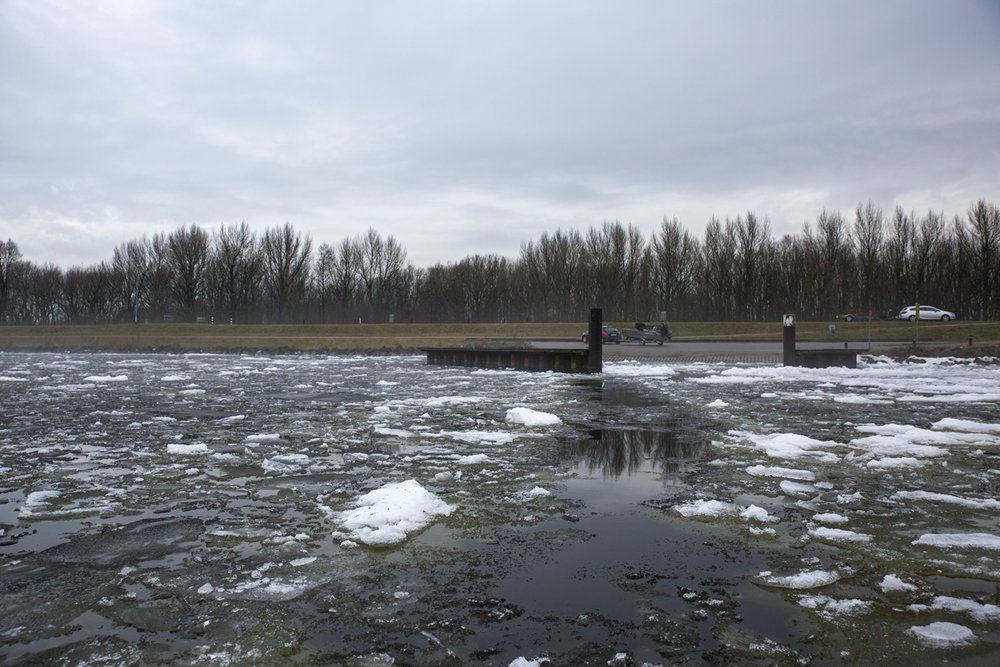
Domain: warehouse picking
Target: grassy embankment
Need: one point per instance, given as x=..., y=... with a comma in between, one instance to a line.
x=404, y=336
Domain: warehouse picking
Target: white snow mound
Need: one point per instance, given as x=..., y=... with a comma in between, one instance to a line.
x=529, y=417
x=388, y=514
x=705, y=508
x=892, y=583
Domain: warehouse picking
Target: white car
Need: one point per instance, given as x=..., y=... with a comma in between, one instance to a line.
x=926, y=313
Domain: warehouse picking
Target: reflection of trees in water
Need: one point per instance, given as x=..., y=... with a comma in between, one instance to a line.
x=616, y=451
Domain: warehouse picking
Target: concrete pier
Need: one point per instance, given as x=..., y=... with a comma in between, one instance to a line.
x=814, y=357
x=560, y=360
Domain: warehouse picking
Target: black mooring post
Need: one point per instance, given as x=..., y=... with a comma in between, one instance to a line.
x=595, y=362
x=788, y=340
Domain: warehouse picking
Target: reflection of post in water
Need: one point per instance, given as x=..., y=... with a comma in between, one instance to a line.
x=614, y=451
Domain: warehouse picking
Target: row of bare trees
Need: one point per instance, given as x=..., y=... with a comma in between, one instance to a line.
x=738, y=270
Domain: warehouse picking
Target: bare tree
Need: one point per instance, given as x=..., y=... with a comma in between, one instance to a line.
x=286, y=269
x=738, y=271
x=189, y=258
x=984, y=232
x=235, y=270
x=10, y=257
x=869, y=233
x=675, y=266
x=131, y=265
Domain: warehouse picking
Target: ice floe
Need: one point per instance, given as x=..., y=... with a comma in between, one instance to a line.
x=193, y=449
x=972, y=503
x=960, y=540
x=829, y=607
x=472, y=459
x=942, y=634
x=637, y=369
x=529, y=417
x=705, y=508
x=800, y=580
x=264, y=437
x=790, y=445
x=838, y=535
x=893, y=584
x=36, y=501
x=787, y=473
x=983, y=613
x=965, y=426
x=100, y=379
x=796, y=488
x=388, y=514
x=755, y=513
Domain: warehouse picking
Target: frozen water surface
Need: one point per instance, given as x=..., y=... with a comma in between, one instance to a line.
x=224, y=509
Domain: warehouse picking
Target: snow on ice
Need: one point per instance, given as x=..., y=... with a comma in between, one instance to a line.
x=942, y=634
x=529, y=417
x=388, y=514
x=960, y=540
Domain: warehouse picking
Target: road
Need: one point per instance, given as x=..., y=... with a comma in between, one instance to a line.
x=729, y=351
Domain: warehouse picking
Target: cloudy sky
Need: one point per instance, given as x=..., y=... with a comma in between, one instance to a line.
x=466, y=127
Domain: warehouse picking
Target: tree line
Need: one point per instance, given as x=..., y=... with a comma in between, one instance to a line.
x=737, y=270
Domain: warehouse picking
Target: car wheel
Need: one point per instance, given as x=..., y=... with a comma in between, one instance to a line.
x=618, y=342
x=912, y=317
x=849, y=318
x=659, y=342
x=945, y=318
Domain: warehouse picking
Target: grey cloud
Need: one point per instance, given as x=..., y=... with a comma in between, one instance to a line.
x=468, y=127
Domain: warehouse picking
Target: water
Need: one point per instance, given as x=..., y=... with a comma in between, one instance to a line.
x=185, y=508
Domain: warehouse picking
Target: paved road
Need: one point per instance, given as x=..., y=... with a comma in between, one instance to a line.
x=729, y=351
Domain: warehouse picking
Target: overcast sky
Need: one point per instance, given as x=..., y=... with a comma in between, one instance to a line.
x=466, y=127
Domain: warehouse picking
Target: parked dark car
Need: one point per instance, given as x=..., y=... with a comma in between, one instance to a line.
x=608, y=335
x=643, y=336
x=850, y=317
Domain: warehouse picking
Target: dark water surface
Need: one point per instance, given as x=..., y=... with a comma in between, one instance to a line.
x=160, y=508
